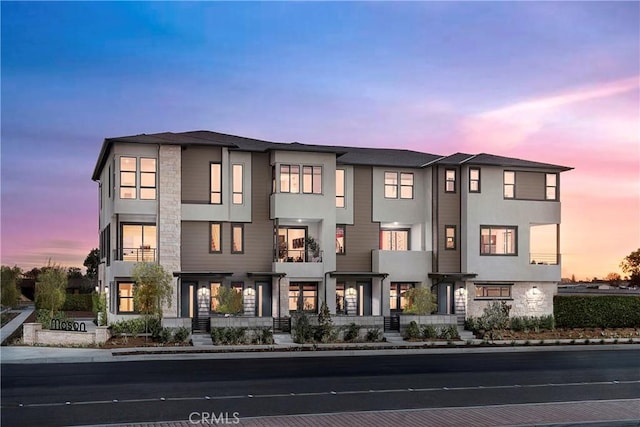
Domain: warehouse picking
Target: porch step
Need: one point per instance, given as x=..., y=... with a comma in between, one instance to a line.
x=465, y=335
x=393, y=337
x=282, y=339
x=200, y=339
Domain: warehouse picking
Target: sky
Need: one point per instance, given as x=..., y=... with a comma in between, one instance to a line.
x=555, y=82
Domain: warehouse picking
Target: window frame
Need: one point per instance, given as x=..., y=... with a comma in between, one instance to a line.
x=234, y=190
x=407, y=230
x=405, y=186
x=390, y=186
x=454, y=246
x=211, y=250
x=399, y=288
x=311, y=179
x=477, y=181
x=215, y=189
x=144, y=173
x=290, y=174
x=448, y=180
x=301, y=295
x=506, y=185
x=485, y=287
x=119, y=297
x=240, y=227
x=513, y=228
x=122, y=171
x=142, y=233
x=547, y=187
x=344, y=239
x=341, y=189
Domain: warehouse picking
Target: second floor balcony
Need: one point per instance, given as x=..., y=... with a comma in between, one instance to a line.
x=139, y=254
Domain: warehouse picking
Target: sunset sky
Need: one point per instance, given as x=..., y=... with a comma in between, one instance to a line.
x=555, y=82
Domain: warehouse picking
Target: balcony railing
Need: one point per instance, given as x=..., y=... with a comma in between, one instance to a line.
x=299, y=255
x=136, y=254
x=544, y=258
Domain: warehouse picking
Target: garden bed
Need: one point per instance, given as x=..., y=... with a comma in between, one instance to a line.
x=130, y=342
x=8, y=317
x=575, y=333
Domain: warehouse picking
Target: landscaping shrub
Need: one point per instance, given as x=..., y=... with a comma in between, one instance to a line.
x=412, y=331
x=137, y=326
x=420, y=301
x=429, y=332
x=181, y=334
x=303, y=331
x=597, y=311
x=44, y=317
x=78, y=302
x=374, y=335
x=263, y=336
x=324, y=331
x=227, y=336
x=164, y=335
x=352, y=332
x=448, y=333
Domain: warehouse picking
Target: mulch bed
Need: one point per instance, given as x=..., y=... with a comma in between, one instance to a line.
x=576, y=333
x=126, y=342
x=8, y=317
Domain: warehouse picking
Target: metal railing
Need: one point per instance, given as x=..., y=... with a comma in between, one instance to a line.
x=135, y=254
x=299, y=255
x=544, y=258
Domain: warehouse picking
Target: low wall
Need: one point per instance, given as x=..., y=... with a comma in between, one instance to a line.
x=433, y=319
x=338, y=321
x=241, y=322
x=176, y=322
x=32, y=334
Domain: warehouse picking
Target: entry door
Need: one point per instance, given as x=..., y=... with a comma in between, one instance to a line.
x=204, y=301
x=364, y=298
x=263, y=304
x=188, y=300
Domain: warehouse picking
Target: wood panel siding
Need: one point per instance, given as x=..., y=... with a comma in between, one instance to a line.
x=196, y=171
x=448, y=213
x=258, y=234
x=530, y=185
x=363, y=236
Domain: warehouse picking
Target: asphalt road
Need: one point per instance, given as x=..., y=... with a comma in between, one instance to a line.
x=154, y=390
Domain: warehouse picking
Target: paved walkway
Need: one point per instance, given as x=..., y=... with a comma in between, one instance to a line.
x=623, y=412
x=15, y=323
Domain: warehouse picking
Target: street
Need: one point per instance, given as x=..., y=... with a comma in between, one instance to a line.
x=156, y=390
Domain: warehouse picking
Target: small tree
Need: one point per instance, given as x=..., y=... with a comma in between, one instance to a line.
x=9, y=285
x=51, y=288
x=92, y=261
x=420, y=301
x=613, y=279
x=325, y=324
x=631, y=266
x=152, y=288
x=229, y=301
x=495, y=318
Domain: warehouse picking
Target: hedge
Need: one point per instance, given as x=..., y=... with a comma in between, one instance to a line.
x=78, y=302
x=597, y=311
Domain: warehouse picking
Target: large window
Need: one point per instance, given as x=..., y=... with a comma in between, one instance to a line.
x=406, y=185
x=509, y=184
x=303, y=297
x=397, y=300
x=216, y=184
x=394, y=239
x=450, y=236
x=474, y=180
x=147, y=178
x=498, y=240
x=391, y=185
x=291, y=244
x=125, y=298
x=403, y=186
x=312, y=179
x=139, y=242
x=215, y=241
x=128, y=172
x=289, y=178
x=237, y=184
x=340, y=237
x=551, y=186
x=237, y=238
x=340, y=186
x=494, y=291
x=450, y=181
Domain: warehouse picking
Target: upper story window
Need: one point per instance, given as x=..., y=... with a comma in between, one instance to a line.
x=312, y=179
x=139, y=242
x=391, y=185
x=340, y=234
x=340, y=186
x=237, y=184
x=128, y=172
x=450, y=181
x=498, y=240
x=215, y=240
x=394, y=239
x=216, y=184
x=237, y=238
x=450, y=236
x=474, y=180
x=404, y=185
x=509, y=184
x=551, y=186
x=147, y=178
x=289, y=178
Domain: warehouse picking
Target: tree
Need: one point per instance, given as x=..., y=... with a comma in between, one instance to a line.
x=92, y=261
x=74, y=273
x=573, y=278
x=613, y=279
x=229, y=301
x=9, y=285
x=631, y=265
x=51, y=288
x=152, y=288
x=420, y=301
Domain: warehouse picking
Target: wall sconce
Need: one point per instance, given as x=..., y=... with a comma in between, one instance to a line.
x=351, y=292
x=249, y=291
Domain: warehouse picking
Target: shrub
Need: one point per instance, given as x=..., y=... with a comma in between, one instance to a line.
x=597, y=311
x=303, y=330
x=429, y=332
x=137, y=326
x=448, y=333
x=227, y=336
x=50, y=288
x=45, y=317
x=352, y=332
x=495, y=317
x=181, y=334
x=164, y=335
x=374, y=334
x=412, y=331
x=9, y=286
x=229, y=301
x=324, y=330
x=78, y=302
x=420, y=301
x=99, y=307
x=263, y=336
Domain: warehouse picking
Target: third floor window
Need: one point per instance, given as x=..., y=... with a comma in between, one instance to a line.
x=398, y=183
x=312, y=179
x=394, y=240
x=216, y=184
x=340, y=186
x=289, y=178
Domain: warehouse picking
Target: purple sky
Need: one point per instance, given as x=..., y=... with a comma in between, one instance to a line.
x=550, y=81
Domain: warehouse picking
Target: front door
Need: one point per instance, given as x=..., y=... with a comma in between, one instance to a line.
x=188, y=300
x=364, y=298
x=263, y=303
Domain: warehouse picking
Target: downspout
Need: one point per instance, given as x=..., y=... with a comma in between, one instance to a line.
x=382, y=293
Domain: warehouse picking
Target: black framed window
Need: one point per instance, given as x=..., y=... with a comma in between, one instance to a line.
x=237, y=238
x=340, y=187
x=128, y=180
x=340, y=298
x=340, y=239
x=509, y=185
x=551, y=186
x=397, y=300
x=450, y=237
x=450, y=181
x=289, y=178
x=498, y=240
x=303, y=297
x=493, y=291
x=474, y=180
x=391, y=185
x=215, y=237
x=148, y=178
x=138, y=242
x=125, y=297
x=237, y=184
x=216, y=184
x=312, y=179
x=394, y=239
x=406, y=185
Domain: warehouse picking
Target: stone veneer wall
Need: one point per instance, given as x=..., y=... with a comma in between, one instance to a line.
x=32, y=333
x=434, y=319
x=241, y=322
x=525, y=300
x=169, y=217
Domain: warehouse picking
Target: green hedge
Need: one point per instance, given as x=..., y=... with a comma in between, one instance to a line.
x=78, y=302
x=597, y=311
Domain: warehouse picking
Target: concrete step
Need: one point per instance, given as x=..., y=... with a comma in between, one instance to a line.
x=282, y=339
x=199, y=339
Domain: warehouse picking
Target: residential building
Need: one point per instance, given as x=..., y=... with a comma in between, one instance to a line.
x=291, y=225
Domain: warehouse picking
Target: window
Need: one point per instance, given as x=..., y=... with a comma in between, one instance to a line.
x=303, y=297
x=497, y=240
x=216, y=184
x=509, y=184
x=391, y=185
x=138, y=242
x=551, y=186
x=109, y=189
x=450, y=181
x=340, y=232
x=125, y=298
x=215, y=245
x=128, y=178
x=291, y=244
x=289, y=178
x=340, y=185
x=237, y=186
x=406, y=185
x=237, y=238
x=312, y=179
x=489, y=291
x=147, y=179
x=340, y=300
x=394, y=240
x=397, y=300
x=474, y=180
x=450, y=236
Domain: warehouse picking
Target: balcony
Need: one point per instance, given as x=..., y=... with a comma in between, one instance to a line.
x=299, y=255
x=544, y=259
x=299, y=263
x=140, y=254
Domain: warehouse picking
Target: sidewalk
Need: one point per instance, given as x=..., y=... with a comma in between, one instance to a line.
x=15, y=323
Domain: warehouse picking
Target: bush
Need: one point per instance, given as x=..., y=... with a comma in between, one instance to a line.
x=99, y=307
x=303, y=330
x=449, y=333
x=420, y=301
x=412, y=331
x=181, y=334
x=374, y=335
x=229, y=301
x=44, y=317
x=429, y=332
x=352, y=332
x=9, y=286
x=597, y=311
x=324, y=331
x=227, y=336
x=263, y=336
x=78, y=302
x=137, y=326
x=164, y=335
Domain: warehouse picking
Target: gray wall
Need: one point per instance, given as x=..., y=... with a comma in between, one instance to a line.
x=196, y=172
x=448, y=213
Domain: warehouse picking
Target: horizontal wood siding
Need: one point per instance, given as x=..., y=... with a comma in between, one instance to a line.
x=530, y=185
x=258, y=234
x=196, y=172
x=448, y=214
x=364, y=235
